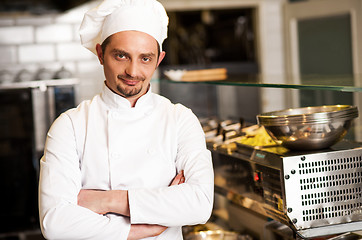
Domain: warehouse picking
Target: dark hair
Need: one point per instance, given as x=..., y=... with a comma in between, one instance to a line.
x=105, y=43
x=108, y=39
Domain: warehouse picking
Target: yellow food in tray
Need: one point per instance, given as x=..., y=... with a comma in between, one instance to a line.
x=256, y=136
x=277, y=150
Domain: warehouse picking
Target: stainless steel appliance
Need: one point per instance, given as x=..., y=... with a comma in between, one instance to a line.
x=314, y=193
x=26, y=111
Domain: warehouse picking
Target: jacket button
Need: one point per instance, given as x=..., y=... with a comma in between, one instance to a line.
x=115, y=155
x=115, y=115
x=151, y=151
x=148, y=113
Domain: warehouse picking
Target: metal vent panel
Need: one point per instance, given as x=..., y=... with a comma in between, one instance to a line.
x=324, y=188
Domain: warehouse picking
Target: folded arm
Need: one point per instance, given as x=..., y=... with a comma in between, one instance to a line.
x=59, y=184
x=185, y=204
x=112, y=201
x=116, y=201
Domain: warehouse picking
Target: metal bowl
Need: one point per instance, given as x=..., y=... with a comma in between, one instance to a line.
x=309, y=128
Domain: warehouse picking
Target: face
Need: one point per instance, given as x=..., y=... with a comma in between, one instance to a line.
x=129, y=61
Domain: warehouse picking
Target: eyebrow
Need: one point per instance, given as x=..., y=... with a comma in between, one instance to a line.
x=148, y=54
x=120, y=51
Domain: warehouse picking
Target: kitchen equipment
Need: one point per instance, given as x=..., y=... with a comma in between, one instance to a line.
x=63, y=73
x=6, y=77
x=315, y=193
x=24, y=75
x=27, y=110
x=216, y=235
x=43, y=74
x=309, y=128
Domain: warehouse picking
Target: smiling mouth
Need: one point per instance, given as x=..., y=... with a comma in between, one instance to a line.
x=129, y=81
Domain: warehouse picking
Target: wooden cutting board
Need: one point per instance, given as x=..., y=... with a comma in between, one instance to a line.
x=215, y=74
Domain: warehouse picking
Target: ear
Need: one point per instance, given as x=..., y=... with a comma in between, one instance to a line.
x=160, y=58
x=99, y=53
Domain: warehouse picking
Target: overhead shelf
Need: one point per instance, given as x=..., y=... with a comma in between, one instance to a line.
x=41, y=84
x=315, y=82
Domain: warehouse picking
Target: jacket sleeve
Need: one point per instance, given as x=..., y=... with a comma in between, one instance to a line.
x=59, y=185
x=185, y=204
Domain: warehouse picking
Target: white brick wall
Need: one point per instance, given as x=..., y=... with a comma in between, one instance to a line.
x=76, y=32
x=54, y=33
x=51, y=42
x=36, y=53
x=90, y=69
x=8, y=54
x=34, y=20
x=16, y=35
x=70, y=51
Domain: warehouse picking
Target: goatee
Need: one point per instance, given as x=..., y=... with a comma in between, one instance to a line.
x=129, y=92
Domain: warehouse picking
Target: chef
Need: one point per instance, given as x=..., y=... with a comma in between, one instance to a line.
x=128, y=164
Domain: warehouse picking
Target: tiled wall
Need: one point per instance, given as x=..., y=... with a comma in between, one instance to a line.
x=49, y=42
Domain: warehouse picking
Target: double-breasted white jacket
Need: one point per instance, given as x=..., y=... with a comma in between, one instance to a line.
x=106, y=144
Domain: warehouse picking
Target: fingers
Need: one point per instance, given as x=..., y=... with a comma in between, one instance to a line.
x=180, y=178
x=141, y=231
x=176, y=180
x=159, y=229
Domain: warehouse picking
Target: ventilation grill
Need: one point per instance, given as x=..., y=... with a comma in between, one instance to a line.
x=331, y=181
x=331, y=188
x=332, y=196
x=329, y=165
x=323, y=189
x=332, y=211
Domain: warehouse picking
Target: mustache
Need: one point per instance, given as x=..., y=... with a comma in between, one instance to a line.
x=127, y=77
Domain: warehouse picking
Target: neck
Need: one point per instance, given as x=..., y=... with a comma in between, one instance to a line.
x=132, y=99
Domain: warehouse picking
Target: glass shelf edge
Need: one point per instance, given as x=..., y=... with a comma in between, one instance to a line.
x=270, y=85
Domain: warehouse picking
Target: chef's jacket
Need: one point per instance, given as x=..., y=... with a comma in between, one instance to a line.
x=106, y=144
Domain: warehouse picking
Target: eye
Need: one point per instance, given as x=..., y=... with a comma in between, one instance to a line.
x=120, y=56
x=146, y=59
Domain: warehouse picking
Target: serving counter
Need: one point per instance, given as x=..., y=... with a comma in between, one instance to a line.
x=304, y=194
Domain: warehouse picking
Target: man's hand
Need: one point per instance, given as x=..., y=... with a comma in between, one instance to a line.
x=103, y=202
x=116, y=201
x=140, y=231
x=180, y=178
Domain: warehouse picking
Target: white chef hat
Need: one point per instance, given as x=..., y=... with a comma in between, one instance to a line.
x=112, y=16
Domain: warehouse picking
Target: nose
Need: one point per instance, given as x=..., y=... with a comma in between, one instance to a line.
x=131, y=69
